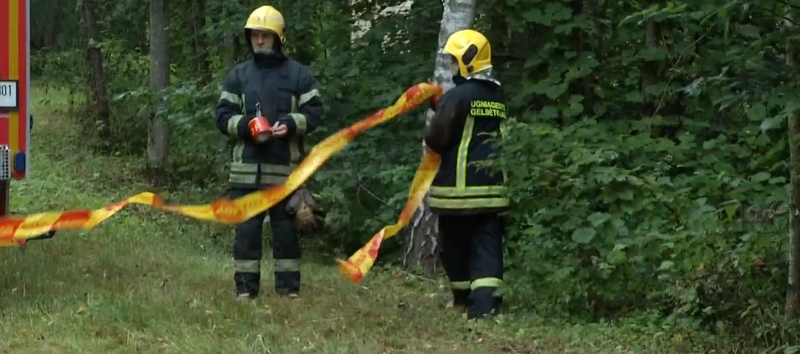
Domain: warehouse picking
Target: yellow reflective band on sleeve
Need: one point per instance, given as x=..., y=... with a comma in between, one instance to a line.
x=304, y=98
x=486, y=283
x=230, y=97
x=475, y=191
x=300, y=122
x=465, y=203
x=463, y=150
x=233, y=125
x=287, y=265
x=237, y=155
x=247, y=266
x=460, y=285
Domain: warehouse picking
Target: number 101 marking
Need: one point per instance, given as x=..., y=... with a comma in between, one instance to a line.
x=8, y=94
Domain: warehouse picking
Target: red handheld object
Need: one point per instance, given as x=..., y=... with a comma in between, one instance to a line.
x=258, y=126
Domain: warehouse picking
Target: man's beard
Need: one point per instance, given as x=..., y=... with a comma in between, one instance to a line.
x=264, y=51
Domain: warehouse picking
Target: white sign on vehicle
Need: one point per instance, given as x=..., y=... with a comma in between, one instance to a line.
x=8, y=94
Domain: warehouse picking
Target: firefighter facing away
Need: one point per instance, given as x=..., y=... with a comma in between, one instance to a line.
x=467, y=198
x=268, y=104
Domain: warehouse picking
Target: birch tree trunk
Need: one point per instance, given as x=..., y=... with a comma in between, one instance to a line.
x=422, y=244
x=793, y=292
x=158, y=129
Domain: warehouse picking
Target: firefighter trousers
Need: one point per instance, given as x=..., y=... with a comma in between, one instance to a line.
x=247, y=250
x=472, y=256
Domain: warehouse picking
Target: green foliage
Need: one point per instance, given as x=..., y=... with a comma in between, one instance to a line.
x=146, y=281
x=647, y=160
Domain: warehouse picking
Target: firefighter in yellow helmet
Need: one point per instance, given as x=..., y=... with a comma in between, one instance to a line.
x=469, y=199
x=268, y=105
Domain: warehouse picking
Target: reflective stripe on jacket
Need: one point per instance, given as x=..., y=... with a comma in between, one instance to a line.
x=467, y=119
x=287, y=93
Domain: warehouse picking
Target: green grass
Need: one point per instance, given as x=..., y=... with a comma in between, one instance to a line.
x=152, y=282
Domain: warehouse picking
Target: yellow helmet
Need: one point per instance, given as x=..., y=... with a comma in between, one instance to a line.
x=267, y=18
x=472, y=51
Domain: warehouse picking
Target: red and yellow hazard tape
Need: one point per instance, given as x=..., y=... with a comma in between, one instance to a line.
x=14, y=231
x=362, y=260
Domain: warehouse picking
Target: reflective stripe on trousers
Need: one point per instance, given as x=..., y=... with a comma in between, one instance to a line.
x=247, y=266
x=459, y=285
x=486, y=283
x=287, y=265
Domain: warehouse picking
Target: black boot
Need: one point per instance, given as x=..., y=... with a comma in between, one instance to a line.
x=247, y=284
x=287, y=284
x=484, y=302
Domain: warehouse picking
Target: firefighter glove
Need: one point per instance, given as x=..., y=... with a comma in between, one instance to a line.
x=305, y=210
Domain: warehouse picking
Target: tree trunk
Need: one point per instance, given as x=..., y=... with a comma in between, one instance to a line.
x=158, y=129
x=228, y=43
x=200, y=43
x=650, y=71
x=793, y=293
x=51, y=29
x=99, y=96
x=422, y=244
x=579, y=44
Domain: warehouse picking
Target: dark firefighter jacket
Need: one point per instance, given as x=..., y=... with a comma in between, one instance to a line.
x=288, y=93
x=461, y=131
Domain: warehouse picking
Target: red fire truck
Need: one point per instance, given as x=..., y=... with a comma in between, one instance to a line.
x=15, y=118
